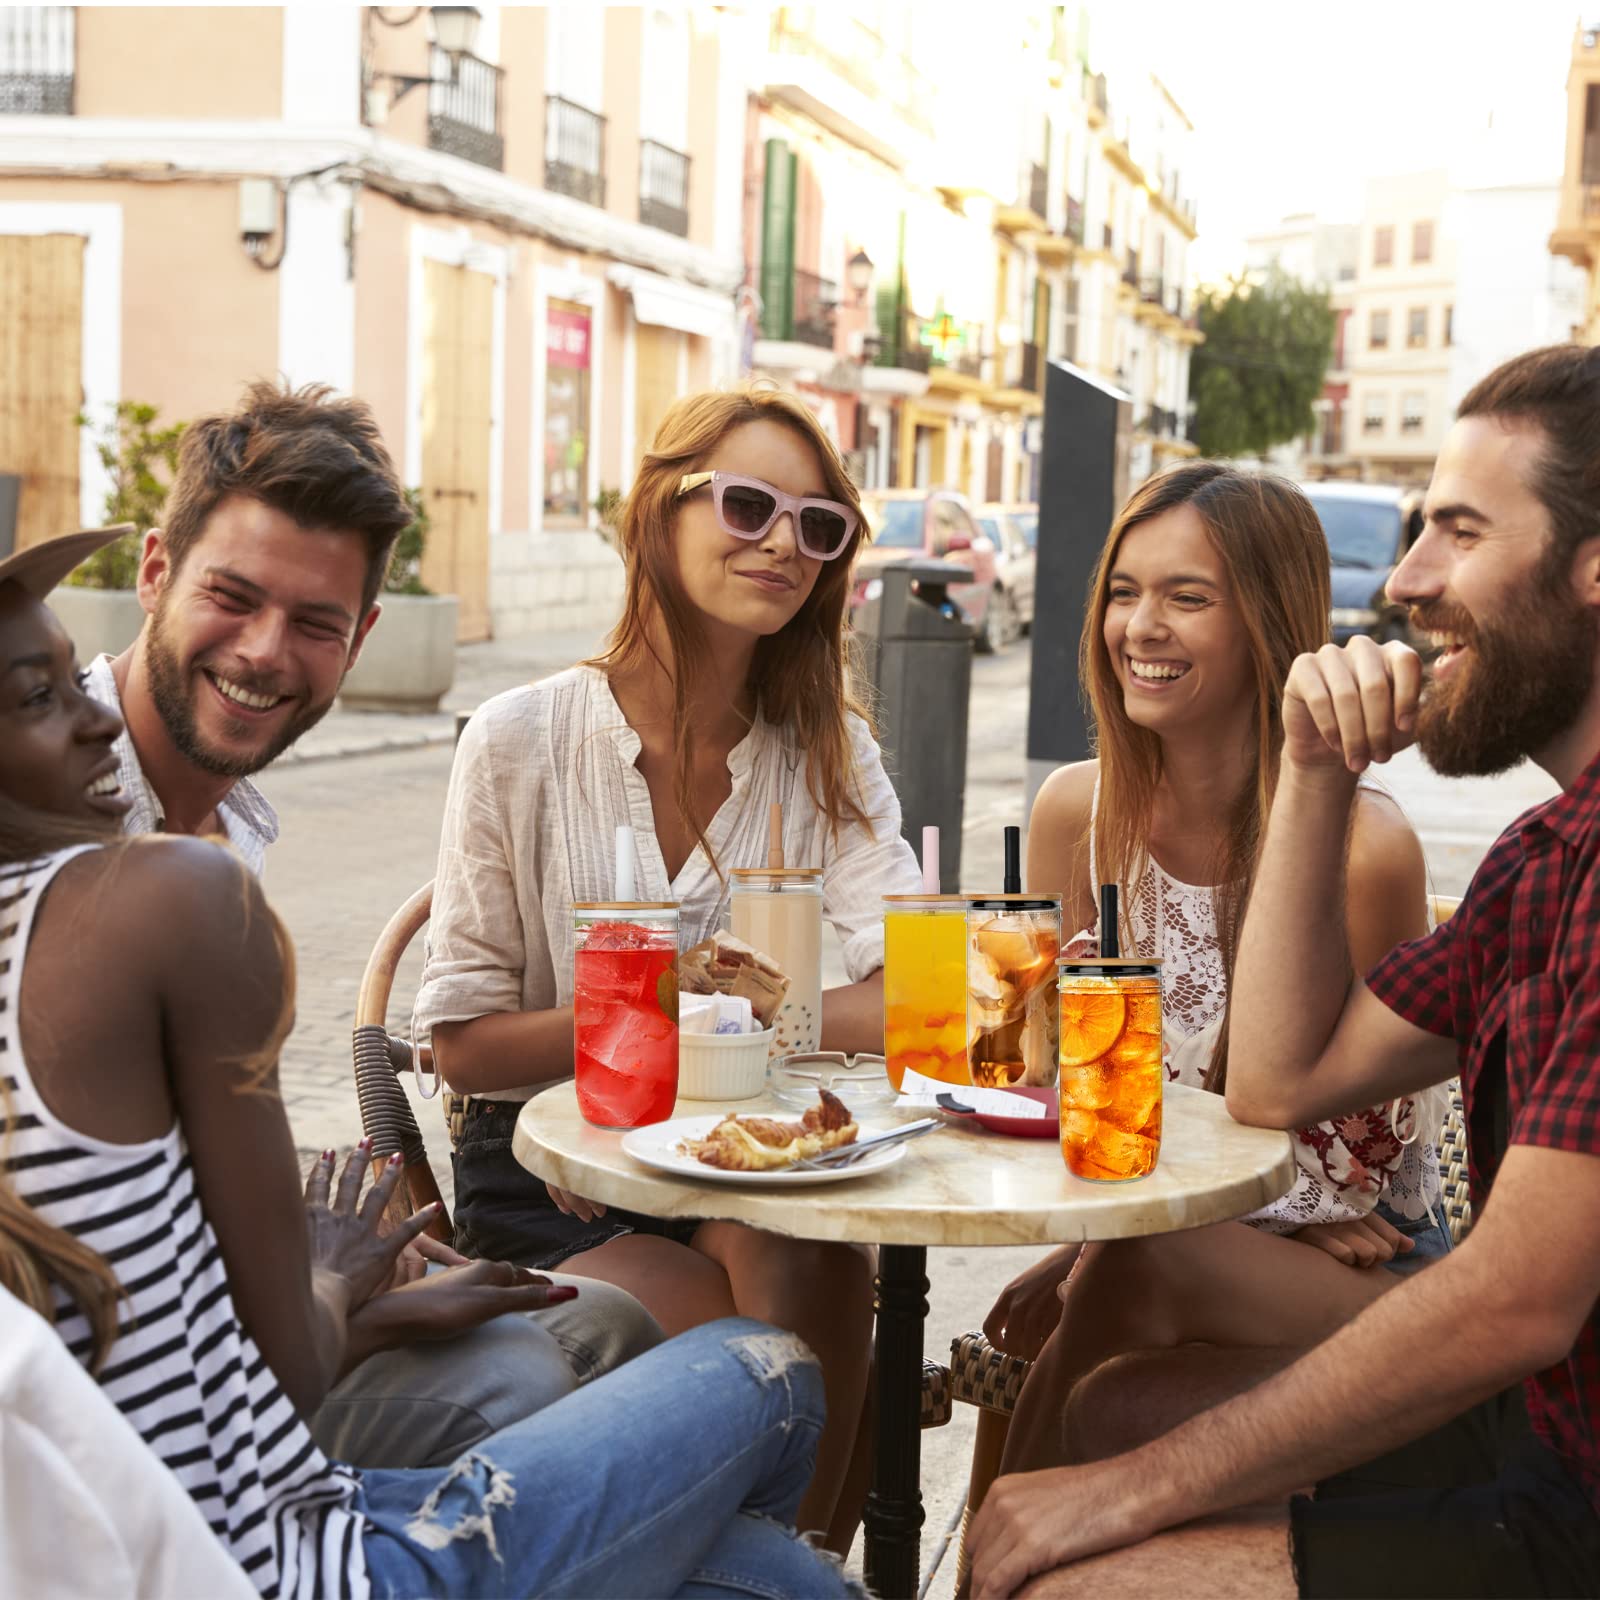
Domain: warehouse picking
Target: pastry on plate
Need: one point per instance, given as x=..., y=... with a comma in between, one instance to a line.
x=764, y=1144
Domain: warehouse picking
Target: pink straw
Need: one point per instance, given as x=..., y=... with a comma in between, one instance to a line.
x=930, y=861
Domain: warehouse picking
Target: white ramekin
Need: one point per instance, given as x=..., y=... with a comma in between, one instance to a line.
x=722, y=1066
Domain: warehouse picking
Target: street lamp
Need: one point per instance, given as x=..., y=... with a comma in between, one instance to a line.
x=858, y=274
x=455, y=31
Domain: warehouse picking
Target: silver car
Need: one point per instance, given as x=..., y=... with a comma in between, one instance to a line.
x=1014, y=532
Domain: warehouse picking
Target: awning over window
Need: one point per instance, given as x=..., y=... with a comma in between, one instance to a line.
x=666, y=303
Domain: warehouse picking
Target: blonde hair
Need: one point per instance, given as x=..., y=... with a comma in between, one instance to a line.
x=1275, y=556
x=801, y=674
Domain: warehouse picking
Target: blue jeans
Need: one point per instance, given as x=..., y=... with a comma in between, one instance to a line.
x=678, y=1475
x=1430, y=1238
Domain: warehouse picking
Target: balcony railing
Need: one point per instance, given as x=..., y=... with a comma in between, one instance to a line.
x=1130, y=273
x=814, y=302
x=38, y=54
x=1107, y=238
x=574, y=150
x=1153, y=291
x=1038, y=189
x=1075, y=220
x=464, y=109
x=663, y=188
x=1591, y=156
x=903, y=347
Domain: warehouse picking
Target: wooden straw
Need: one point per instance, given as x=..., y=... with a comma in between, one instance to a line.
x=775, y=837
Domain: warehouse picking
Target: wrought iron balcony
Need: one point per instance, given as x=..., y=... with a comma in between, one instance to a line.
x=38, y=57
x=464, y=111
x=903, y=348
x=1107, y=238
x=814, y=302
x=1130, y=273
x=1075, y=220
x=574, y=150
x=1033, y=368
x=663, y=188
x=1152, y=290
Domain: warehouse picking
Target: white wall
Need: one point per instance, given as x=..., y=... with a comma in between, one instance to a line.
x=1511, y=293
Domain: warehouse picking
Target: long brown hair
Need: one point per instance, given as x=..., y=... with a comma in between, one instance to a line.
x=33, y=1255
x=1276, y=559
x=801, y=674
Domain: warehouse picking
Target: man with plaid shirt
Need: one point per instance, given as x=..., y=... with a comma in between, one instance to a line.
x=1452, y=1430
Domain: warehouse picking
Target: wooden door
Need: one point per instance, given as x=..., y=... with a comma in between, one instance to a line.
x=41, y=378
x=458, y=330
x=655, y=382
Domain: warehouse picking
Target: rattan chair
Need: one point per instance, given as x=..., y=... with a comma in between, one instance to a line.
x=987, y=1378
x=387, y=1118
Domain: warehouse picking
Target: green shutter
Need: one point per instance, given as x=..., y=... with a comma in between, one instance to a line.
x=777, y=242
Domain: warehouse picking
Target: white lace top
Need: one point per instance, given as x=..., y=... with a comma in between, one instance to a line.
x=1345, y=1166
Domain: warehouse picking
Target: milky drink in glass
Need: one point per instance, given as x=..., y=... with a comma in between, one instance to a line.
x=625, y=1011
x=967, y=988
x=1111, y=1069
x=778, y=911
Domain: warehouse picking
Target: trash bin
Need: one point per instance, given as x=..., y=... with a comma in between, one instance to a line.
x=917, y=653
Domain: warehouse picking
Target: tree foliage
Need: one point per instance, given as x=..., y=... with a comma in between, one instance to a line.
x=1267, y=347
x=139, y=458
x=405, y=565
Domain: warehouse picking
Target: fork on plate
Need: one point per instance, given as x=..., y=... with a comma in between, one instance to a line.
x=847, y=1155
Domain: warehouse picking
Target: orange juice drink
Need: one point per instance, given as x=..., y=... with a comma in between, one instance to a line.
x=1111, y=1069
x=968, y=996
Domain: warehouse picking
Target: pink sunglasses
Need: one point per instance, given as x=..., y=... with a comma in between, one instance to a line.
x=747, y=507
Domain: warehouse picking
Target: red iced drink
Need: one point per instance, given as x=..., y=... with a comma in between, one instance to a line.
x=625, y=1014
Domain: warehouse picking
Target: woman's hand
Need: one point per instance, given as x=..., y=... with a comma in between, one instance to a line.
x=449, y=1303
x=574, y=1205
x=1029, y=1306
x=414, y=1259
x=1368, y=1242
x=344, y=1240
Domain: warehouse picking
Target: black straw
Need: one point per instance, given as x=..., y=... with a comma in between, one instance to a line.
x=1013, y=861
x=1110, y=947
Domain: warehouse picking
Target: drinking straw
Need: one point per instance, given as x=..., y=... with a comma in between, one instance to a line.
x=1013, y=879
x=627, y=857
x=930, y=860
x=1110, y=947
x=775, y=836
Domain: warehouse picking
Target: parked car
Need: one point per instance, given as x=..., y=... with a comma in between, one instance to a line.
x=1014, y=530
x=935, y=524
x=1369, y=527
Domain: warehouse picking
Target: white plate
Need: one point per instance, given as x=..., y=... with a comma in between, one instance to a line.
x=657, y=1146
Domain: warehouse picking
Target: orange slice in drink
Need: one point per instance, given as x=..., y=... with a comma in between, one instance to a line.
x=1091, y=1021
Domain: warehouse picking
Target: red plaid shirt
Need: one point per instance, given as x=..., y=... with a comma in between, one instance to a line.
x=1514, y=978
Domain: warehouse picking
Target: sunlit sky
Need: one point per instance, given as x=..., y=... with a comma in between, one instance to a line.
x=1296, y=104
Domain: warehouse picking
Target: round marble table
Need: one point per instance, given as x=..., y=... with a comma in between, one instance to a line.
x=960, y=1186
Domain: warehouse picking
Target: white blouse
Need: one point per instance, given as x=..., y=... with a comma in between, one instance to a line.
x=543, y=776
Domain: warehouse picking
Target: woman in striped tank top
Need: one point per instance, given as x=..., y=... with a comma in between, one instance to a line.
x=151, y=1204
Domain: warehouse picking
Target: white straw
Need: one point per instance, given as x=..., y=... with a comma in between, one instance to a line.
x=623, y=890
x=930, y=861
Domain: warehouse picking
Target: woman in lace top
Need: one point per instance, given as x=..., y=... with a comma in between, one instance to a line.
x=724, y=688
x=1211, y=583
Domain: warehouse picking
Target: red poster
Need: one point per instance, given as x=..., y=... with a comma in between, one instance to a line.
x=567, y=338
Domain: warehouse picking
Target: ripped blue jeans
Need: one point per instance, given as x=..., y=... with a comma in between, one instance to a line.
x=679, y=1474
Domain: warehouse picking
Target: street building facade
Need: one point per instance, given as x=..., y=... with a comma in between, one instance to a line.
x=1576, y=235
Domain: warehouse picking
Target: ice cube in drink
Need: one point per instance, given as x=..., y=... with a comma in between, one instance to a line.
x=1111, y=1068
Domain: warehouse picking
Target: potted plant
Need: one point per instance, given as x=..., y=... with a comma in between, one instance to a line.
x=97, y=604
x=409, y=660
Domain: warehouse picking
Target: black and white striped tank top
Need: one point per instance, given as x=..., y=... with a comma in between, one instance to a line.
x=183, y=1371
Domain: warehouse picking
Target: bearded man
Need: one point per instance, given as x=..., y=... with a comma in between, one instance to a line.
x=1452, y=1430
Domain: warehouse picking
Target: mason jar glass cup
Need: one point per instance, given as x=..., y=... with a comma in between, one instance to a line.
x=779, y=912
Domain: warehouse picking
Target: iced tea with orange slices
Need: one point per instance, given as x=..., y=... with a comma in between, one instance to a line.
x=1111, y=1070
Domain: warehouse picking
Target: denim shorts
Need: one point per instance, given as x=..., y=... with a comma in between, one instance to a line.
x=1430, y=1238
x=504, y=1213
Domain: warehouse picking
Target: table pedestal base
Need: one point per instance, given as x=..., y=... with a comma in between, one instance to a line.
x=894, y=1514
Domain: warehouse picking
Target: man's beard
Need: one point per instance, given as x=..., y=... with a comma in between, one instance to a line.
x=1522, y=684
x=171, y=693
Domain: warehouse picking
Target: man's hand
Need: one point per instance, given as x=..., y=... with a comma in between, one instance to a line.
x=1029, y=1306
x=1366, y=1242
x=1034, y=1521
x=1350, y=706
x=574, y=1205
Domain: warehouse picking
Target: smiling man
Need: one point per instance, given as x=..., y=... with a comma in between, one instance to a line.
x=1452, y=1429
x=260, y=590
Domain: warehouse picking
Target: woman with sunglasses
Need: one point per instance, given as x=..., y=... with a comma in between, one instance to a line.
x=723, y=689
